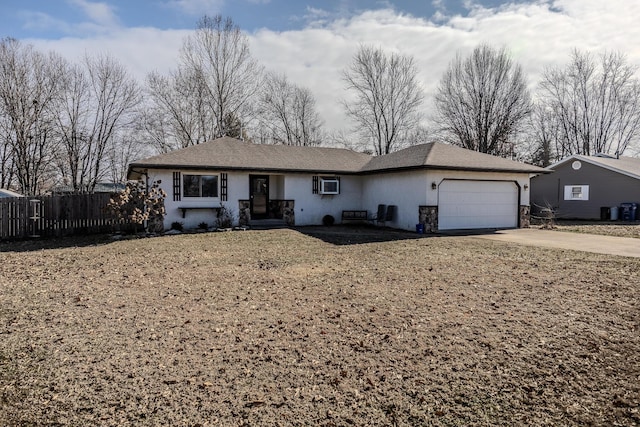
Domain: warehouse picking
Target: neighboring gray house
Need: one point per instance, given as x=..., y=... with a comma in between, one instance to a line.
x=582, y=187
x=438, y=185
x=4, y=193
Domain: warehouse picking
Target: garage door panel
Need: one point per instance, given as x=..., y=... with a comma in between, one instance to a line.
x=477, y=204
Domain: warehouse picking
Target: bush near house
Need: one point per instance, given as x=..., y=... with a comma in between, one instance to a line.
x=138, y=203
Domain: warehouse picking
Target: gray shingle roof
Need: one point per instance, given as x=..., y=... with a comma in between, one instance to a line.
x=232, y=154
x=444, y=156
x=626, y=165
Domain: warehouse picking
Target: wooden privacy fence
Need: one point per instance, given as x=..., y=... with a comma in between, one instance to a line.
x=57, y=216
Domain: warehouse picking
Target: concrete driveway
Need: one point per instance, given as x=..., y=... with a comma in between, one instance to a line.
x=622, y=246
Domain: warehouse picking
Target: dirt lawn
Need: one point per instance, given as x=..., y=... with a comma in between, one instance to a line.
x=288, y=328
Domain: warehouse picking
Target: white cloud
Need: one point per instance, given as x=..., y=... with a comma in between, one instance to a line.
x=100, y=18
x=538, y=34
x=196, y=7
x=99, y=13
x=43, y=22
x=141, y=50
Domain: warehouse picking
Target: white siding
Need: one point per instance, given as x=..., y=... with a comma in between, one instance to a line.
x=237, y=185
x=310, y=208
x=276, y=187
x=406, y=190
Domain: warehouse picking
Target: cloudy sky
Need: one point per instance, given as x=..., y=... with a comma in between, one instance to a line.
x=313, y=40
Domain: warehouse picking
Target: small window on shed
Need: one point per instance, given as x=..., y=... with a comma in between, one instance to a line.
x=576, y=192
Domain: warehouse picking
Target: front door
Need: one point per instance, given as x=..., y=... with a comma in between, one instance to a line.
x=259, y=196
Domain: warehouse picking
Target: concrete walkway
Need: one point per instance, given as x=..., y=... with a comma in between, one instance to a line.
x=622, y=246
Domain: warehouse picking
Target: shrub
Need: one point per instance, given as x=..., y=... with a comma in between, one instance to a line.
x=225, y=218
x=177, y=226
x=203, y=226
x=138, y=203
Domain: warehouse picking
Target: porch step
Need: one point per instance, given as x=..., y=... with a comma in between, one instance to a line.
x=267, y=224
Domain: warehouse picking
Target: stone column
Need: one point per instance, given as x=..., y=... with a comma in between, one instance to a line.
x=288, y=213
x=244, y=213
x=428, y=215
x=525, y=216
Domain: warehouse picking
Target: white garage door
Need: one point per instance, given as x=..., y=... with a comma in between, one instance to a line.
x=477, y=204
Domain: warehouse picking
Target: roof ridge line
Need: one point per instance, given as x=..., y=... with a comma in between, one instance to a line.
x=428, y=155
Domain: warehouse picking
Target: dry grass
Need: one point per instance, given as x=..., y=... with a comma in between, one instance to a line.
x=610, y=228
x=285, y=328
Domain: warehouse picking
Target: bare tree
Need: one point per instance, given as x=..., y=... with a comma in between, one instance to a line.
x=289, y=113
x=123, y=149
x=595, y=105
x=155, y=127
x=181, y=110
x=482, y=101
x=7, y=169
x=542, y=133
x=387, y=97
x=216, y=80
x=29, y=83
x=218, y=55
x=97, y=105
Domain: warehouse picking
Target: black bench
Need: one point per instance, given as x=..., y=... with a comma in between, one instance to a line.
x=354, y=216
x=184, y=209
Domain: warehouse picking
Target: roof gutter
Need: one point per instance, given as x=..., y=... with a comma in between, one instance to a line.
x=246, y=169
x=456, y=168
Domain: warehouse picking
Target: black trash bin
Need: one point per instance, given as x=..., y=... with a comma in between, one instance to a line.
x=628, y=211
x=634, y=211
x=605, y=213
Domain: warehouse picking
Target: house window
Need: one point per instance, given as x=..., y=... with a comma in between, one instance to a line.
x=576, y=192
x=329, y=186
x=200, y=185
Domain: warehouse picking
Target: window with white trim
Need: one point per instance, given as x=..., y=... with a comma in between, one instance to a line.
x=329, y=186
x=576, y=192
x=199, y=185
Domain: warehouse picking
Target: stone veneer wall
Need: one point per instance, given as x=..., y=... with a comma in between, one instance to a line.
x=288, y=213
x=428, y=215
x=525, y=216
x=244, y=213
